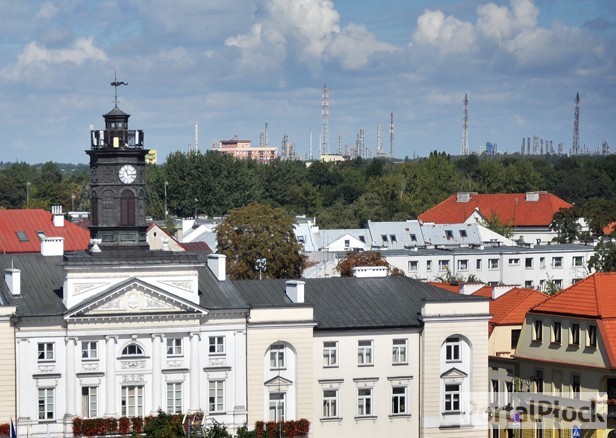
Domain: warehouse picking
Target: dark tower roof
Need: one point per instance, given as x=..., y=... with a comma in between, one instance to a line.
x=116, y=112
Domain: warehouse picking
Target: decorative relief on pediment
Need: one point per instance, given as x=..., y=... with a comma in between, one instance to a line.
x=111, y=305
x=132, y=364
x=174, y=363
x=134, y=300
x=133, y=378
x=218, y=362
x=151, y=303
x=90, y=366
x=81, y=288
x=46, y=368
x=184, y=285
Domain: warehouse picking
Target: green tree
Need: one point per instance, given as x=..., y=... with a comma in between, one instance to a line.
x=365, y=258
x=566, y=223
x=494, y=223
x=259, y=231
x=604, y=258
x=164, y=426
x=217, y=430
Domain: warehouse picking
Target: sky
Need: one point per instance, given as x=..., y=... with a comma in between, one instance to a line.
x=234, y=66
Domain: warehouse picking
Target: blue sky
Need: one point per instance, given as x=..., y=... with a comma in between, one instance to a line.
x=234, y=65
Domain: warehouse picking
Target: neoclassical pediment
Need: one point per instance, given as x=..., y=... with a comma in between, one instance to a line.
x=454, y=375
x=278, y=382
x=134, y=298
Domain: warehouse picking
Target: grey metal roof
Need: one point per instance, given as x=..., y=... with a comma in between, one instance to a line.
x=354, y=303
x=402, y=230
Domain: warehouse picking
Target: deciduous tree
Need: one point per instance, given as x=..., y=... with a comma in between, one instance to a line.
x=366, y=258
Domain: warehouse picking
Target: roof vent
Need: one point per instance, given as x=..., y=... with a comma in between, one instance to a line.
x=500, y=290
x=58, y=216
x=532, y=196
x=295, y=290
x=52, y=246
x=370, y=271
x=12, y=277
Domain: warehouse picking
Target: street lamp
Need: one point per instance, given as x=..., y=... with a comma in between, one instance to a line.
x=166, y=211
x=261, y=265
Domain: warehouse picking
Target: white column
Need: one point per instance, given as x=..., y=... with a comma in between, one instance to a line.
x=25, y=405
x=110, y=377
x=71, y=394
x=195, y=381
x=157, y=375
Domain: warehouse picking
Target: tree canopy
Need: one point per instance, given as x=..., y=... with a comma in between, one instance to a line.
x=364, y=258
x=257, y=232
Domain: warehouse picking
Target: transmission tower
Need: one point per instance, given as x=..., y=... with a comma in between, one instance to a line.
x=391, y=135
x=575, y=148
x=325, y=116
x=464, y=149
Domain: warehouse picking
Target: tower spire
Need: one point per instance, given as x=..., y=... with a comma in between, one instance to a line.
x=116, y=84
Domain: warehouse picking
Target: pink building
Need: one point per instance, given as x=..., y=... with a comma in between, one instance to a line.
x=243, y=149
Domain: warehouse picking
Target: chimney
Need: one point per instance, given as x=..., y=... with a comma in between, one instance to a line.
x=295, y=290
x=500, y=290
x=370, y=271
x=217, y=264
x=470, y=288
x=58, y=216
x=12, y=277
x=463, y=196
x=532, y=196
x=52, y=246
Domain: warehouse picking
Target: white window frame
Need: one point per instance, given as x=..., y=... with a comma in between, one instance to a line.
x=577, y=261
x=557, y=332
x=132, y=350
x=216, y=396
x=277, y=356
x=89, y=350
x=365, y=405
x=46, y=404
x=514, y=261
x=494, y=393
x=330, y=354
x=413, y=266
x=365, y=354
x=217, y=345
x=330, y=403
x=574, y=334
x=478, y=264
x=399, y=400
x=557, y=262
x=174, y=398
x=46, y=351
x=443, y=265
x=591, y=336
x=529, y=265
x=463, y=265
x=132, y=400
x=89, y=401
x=429, y=265
x=538, y=330
x=453, y=349
x=174, y=346
x=451, y=399
x=277, y=406
x=493, y=264
x=399, y=351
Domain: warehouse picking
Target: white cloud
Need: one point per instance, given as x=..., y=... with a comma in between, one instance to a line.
x=447, y=33
x=47, y=11
x=353, y=46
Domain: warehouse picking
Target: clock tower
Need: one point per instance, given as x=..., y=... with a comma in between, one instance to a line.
x=117, y=183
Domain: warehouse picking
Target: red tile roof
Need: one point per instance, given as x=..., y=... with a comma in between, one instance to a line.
x=511, y=307
x=451, y=287
x=510, y=208
x=32, y=221
x=485, y=291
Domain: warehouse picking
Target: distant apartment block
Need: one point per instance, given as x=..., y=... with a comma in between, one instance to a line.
x=242, y=149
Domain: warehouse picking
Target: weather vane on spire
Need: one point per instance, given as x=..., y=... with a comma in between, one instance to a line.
x=116, y=84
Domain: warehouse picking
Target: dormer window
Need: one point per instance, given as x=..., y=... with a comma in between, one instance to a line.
x=22, y=236
x=449, y=234
x=41, y=235
x=384, y=238
x=132, y=350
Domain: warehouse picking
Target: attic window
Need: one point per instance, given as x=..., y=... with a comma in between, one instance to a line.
x=463, y=233
x=22, y=236
x=384, y=238
x=449, y=234
x=362, y=239
x=41, y=235
x=413, y=238
x=393, y=239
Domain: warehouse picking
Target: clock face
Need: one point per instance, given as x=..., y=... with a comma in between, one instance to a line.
x=127, y=174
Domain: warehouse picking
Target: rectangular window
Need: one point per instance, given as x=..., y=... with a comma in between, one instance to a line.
x=542, y=262
x=330, y=354
x=399, y=351
x=463, y=265
x=393, y=238
x=538, y=330
x=492, y=263
x=556, y=332
x=217, y=345
x=577, y=261
x=277, y=359
x=46, y=397
x=398, y=400
x=413, y=265
x=413, y=238
x=463, y=233
x=449, y=234
x=452, y=350
x=478, y=264
x=89, y=401
x=364, y=353
x=528, y=263
x=575, y=386
x=452, y=398
x=592, y=336
x=22, y=236
x=514, y=262
x=539, y=381
x=277, y=406
x=384, y=238
x=132, y=401
x=330, y=403
x=429, y=265
x=443, y=265
x=216, y=402
x=557, y=262
x=515, y=337
x=174, y=398
x=494, y=393
x=45, y=351
x=528, y=284
x=509, y=389
x=574, y=334
x=174, y=346
x=89, y=350
x=364, y=402
x=347, y=243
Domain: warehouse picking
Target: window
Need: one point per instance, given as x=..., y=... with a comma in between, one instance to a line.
x=452, y=398
x=330, y=354
x=413, y=238
x=515, y=337
x=514, y=262
x=429, y=265
x=528, y=284
x=330, y=403
x=577, y=261
x=574, y=334
x=495, y=431
x=362, y=239
x=41, y=235
x=393, y=238
x=217, y=345
x=443, y=265
x=22, y=236
x=494, y=393
x=174, y=398
x=528, y=263
x=45, y=351
x=399, y=351
x=492, y=263
x=216, y=396
x=364, y=353
x=478, y=264
x=46, y=403
x=277, y=361
x=556, y=332
x=132, y=350
x=539, y=381
x=463, y=233
x=449, y=234
x=398, y=400
x=89, y=350
x=89, y=401
x=463, y=265
x=384, y=238
x=592, y=336
x=538, y=330
x=413, y=265
x=452, y=350
x=575, y=386
x=276, y=406
x=509, y=389
x=174, y=346
x=364, y=402
x=132, y=401
x=542, y=262
x=557, y=262
x=127, y=208
x=347, y=243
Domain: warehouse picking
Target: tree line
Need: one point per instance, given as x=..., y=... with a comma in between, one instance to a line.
x=340, y=195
